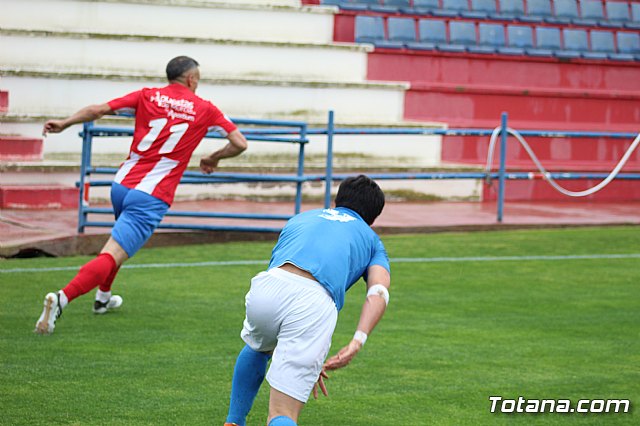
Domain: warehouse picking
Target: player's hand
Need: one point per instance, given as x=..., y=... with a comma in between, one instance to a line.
x=320, y=383
x=53, y=126
x=208, y=164
x=344, y=356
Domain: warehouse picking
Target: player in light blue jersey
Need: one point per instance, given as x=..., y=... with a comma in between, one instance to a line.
x=292, y=308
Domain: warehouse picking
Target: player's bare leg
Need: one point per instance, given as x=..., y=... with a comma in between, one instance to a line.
x=283, y=409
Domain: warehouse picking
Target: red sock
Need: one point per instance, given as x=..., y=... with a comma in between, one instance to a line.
x=106, y=286
x=91, y=275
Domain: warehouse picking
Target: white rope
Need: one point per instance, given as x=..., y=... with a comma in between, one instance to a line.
x=547, y=176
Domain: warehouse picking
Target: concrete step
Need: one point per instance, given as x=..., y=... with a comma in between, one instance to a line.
x=54, y=93
x=178, y=18
x=17, y=148
x=130, y=54
x=36, y=197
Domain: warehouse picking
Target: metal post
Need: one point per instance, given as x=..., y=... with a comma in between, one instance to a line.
x=502, y=170
x=303, y=135
x=85, y=164
x=328, y=177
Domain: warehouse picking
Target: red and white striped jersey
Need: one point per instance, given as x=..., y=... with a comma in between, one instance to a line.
x=170, y=123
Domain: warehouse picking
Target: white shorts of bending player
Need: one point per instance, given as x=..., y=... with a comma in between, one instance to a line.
x=295, y=317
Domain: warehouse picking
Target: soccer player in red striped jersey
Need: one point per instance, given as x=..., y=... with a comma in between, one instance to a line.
x=170, y=122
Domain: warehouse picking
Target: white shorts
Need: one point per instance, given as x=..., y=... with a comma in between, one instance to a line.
x=295, y=317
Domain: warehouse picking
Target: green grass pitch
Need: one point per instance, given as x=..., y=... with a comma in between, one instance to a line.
x=455, y=333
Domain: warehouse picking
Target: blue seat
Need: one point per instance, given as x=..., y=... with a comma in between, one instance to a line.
x=575, y=43
x=389, y=6
x=402, y=30
x=359, y=5
x=491, y=35
x=396, y=3
x=537, y=11
x=451, y=8
x=462, y=34
x=432, y=33
x=602, y=44
x=481, y=9
x=617, y=14
x=513, y=8
x=591, y=12
x=547, y=42
x=425, y=6
x=333, y=2
x=634, y=21
x=629, y=43
x=565, y=10
x=458, y=32
x=519, y=37
x=617, y=11
x=369, y=29
x=635, y=12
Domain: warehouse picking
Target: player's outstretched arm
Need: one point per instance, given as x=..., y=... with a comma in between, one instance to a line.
x=375, y=304
x=88, y=113
x=236, y=146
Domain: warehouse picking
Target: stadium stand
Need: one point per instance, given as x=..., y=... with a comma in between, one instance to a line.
x=528, y=55
x=454, y=62
x=610, y=13
x=285, y=53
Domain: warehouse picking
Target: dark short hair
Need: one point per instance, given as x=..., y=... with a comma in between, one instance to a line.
x=180, y=65
x=362, y=195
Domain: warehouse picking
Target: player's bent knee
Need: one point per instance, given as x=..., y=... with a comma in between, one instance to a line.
x=282, y=421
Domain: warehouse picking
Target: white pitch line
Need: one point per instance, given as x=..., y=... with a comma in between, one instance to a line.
x=393, y=260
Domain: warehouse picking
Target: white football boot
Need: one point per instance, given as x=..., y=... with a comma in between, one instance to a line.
x=50, y=313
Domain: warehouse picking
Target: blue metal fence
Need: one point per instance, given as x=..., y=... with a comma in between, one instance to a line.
x=272, y=131
x=293, y=132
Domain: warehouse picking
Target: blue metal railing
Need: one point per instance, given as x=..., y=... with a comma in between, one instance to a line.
x=297, y=133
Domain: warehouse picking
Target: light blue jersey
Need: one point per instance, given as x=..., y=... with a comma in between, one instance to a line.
x=335, y=245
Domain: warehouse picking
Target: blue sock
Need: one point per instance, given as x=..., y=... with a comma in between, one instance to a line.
x=282, y=421
x=248, y=375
